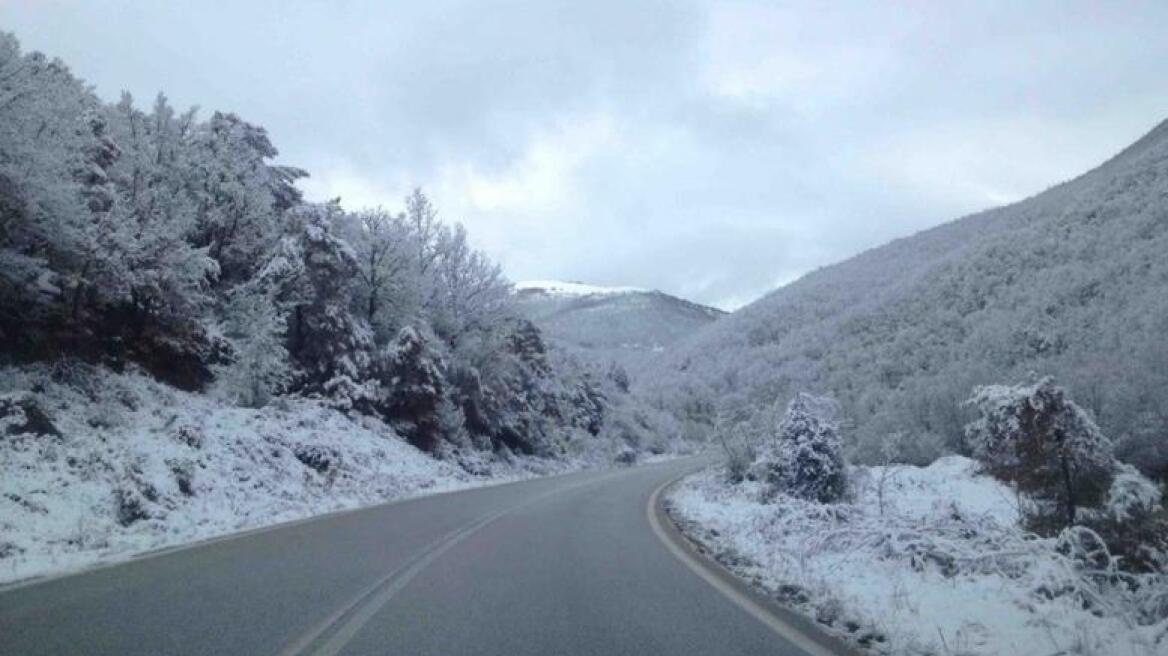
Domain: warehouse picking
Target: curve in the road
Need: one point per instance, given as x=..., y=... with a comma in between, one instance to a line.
x=785, y=623
x=559, y=565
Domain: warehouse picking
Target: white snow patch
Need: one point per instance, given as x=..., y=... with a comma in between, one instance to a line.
x=559, y=288
x=945, y=569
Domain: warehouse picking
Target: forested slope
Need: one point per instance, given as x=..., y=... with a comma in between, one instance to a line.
x=1072, y=282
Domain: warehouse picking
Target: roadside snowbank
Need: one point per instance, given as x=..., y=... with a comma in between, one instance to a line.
x=944, y=570
x=139, y=466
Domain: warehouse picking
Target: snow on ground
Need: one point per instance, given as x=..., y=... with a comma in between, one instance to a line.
x=140, y=466
x=944, y=570
x=559, y=288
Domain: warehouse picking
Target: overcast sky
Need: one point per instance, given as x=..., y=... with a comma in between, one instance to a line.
x=710, y=150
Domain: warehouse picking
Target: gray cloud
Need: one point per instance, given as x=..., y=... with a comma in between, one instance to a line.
x=713, y=150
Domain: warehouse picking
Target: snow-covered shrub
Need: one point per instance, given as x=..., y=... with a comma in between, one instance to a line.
x=740, y=444
x=189, y=434
x=1133, y=523
x=21, y=413
x=1131, y=495
x=319, y=458
x=130, y=505
x=1145, y=444
x=1034, y=436
x=184, y=475
x=805, y=457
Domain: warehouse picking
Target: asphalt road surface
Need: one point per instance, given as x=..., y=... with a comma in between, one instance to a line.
x=575, y=564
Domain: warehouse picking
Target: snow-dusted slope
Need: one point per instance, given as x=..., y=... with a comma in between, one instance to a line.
x=1072, y=282
x=626, y=325
x=925, y=561
x=138, y=465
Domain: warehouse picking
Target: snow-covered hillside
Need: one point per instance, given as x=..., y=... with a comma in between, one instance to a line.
x=625, y=325
x=925, y=561
x=1072, y=282
x=136, y=465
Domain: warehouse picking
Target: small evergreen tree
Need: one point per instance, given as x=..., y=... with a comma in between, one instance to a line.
x=413, y=388
x=256, y=329
x=805, y=458
x=325, y=340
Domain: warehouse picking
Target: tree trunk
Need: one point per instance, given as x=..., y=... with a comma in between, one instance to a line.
x=1068, y=483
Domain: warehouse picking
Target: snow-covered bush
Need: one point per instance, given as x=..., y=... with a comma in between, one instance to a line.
x=741, y=448
x=21, y=413
x=1131, y=495
x=1133, y=523
x=1035, y=437
x=805, y=457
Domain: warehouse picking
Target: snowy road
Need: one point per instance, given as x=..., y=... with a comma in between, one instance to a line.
x=572, y=564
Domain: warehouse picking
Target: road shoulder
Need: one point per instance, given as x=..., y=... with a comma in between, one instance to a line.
x=786, y=623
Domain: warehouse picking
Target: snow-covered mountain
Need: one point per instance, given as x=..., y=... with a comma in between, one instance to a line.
x=626, y=325
x=1072, y=282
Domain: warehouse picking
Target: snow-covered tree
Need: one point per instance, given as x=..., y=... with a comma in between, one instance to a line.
x=413, y=393
x=469, y=291
x=385, y=290
x=805, y=458
x=256, y=327
x=240, y=197
x=1034, y=436
x=155, y=270
x=325, y=340
x=46, y=223
x=422, y=218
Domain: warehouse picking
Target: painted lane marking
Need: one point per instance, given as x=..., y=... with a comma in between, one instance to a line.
x=329, y=636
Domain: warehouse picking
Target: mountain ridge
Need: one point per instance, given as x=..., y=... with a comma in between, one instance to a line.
x=627, y=326
x=1063, y=282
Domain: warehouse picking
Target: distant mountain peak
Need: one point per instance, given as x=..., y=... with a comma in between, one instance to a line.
x=572, y=288
x=626, y=325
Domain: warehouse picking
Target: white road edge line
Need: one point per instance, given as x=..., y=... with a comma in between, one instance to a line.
x=786, y=631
